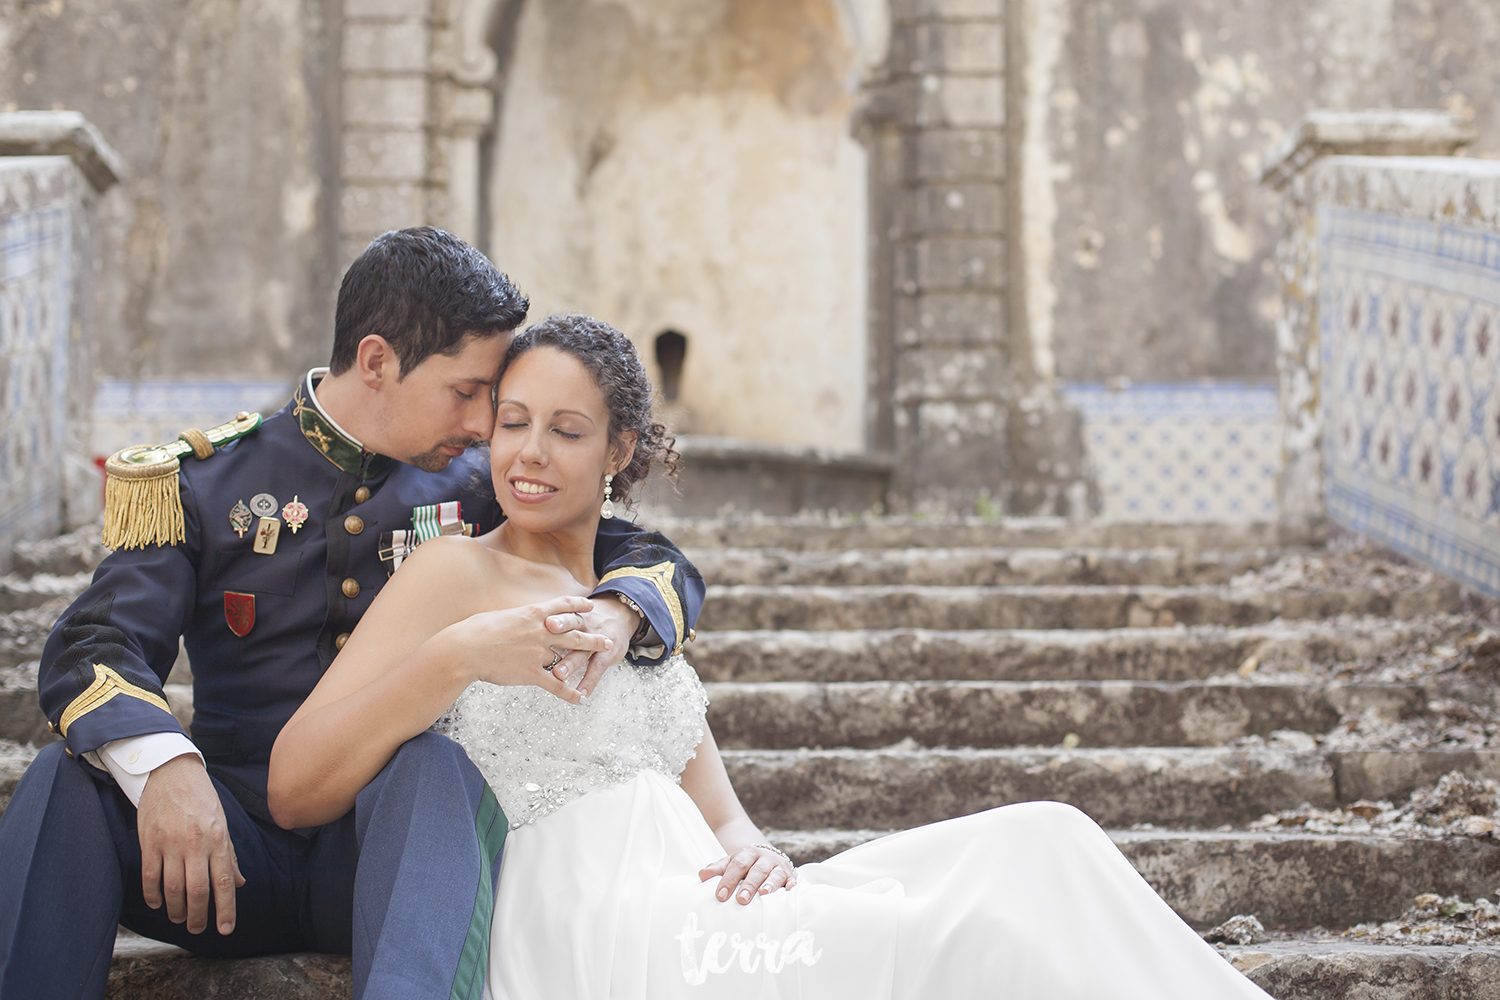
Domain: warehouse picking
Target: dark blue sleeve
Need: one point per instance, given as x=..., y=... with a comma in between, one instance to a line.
x=104, y=664
x=647, y=568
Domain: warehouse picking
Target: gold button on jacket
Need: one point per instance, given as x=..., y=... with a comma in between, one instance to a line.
x=338, y=642
x=362, y=494
x=354, y=524
x=351, y=588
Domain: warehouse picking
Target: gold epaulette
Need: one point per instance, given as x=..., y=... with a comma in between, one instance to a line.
x=141, y=503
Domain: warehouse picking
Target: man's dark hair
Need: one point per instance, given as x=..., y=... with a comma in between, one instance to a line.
x=423, y=290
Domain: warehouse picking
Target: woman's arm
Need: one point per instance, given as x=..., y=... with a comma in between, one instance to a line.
x=749, y=861
x=426, y=636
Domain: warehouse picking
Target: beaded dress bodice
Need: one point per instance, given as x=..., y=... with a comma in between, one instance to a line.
x=539, y=753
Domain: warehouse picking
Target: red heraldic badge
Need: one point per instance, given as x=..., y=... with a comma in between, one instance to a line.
x=239, y=612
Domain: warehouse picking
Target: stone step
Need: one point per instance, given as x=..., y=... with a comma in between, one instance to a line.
x=15, y=758
x=784, y=715
x=831, y=534
x=975, y=566
x=1146, y=654
x=1303, y=969
x=24, y=633
x=64, y=555
x=21, y=718
x=1342, y=970
x=822, y=608
x=18, y=593
x=149, y=970
x=1289, y=881
x=1171, y=787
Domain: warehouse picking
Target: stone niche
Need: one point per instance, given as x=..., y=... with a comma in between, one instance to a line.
x=689, y=169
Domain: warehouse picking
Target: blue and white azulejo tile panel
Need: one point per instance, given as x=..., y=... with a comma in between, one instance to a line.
x=1409, y=323
x=155, y=410
x=1168, y=452
x=36, y=290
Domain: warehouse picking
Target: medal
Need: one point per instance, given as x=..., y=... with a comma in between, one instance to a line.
x=239, y=518
x=239, y=612
x=266, y=534
x=295, y=514
x=263, y=505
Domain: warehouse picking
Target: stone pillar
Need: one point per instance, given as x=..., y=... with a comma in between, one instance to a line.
x=936, y=129
x=1300, y=499
x=386, y=156
x=53, y=166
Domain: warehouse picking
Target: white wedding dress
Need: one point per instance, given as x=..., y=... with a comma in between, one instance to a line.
x=600, y=899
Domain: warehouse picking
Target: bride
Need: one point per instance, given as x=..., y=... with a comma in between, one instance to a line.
x=630, y=870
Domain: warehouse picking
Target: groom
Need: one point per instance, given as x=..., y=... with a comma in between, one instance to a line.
x=261, y=546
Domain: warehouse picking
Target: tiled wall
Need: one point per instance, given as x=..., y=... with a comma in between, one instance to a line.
x=1182, y=451
x=38, y=196
x=1409, y=324
x=151, y=412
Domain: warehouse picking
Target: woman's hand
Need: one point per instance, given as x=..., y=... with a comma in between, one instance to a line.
x=516, y=646
x=756, y=869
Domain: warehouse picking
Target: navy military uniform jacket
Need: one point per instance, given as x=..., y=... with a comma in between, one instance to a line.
x=105, y=662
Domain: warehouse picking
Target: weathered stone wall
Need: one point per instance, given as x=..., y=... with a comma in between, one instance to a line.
x=689, y=167
x=1148, y=239
x=218, y=255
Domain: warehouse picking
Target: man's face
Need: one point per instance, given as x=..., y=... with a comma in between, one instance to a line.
x=442, y=406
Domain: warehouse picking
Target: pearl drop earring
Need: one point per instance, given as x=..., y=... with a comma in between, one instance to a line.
x=608, y=510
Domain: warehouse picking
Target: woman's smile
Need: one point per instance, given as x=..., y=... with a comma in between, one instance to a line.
x=531, y=490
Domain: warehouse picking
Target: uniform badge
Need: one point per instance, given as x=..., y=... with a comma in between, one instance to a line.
x=295, y=514
x=266, y=535
x=239, y=518
x=239, y=612
x=263, y=505
x=428, y=522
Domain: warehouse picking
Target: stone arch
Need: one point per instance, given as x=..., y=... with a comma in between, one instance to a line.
x=748, y=230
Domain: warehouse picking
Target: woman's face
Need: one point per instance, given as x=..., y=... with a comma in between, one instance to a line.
x=551, y=450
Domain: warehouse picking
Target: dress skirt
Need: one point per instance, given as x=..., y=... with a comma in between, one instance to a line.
x=600, y=900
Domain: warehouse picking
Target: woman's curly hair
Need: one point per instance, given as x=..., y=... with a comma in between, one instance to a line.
x=610, y=357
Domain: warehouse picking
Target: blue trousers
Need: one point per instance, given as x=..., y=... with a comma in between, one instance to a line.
x=405, y=883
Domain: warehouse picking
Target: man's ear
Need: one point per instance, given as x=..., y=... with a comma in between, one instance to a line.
x=624, y=451
x=376, y=361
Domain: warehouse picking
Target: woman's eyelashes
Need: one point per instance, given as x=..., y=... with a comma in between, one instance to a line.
x=561, y=431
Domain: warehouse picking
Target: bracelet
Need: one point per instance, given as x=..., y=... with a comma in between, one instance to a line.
x=645, y=625
x=780, y=853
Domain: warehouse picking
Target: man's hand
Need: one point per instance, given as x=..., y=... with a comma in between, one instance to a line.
x=186, y=854
x=610, y=618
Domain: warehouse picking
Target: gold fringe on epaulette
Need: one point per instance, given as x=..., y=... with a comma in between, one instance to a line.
x=141, y=503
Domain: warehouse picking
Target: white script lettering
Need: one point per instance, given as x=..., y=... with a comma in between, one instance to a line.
x=798, y=946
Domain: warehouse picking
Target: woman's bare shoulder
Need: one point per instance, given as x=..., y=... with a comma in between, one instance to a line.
x=446, y=554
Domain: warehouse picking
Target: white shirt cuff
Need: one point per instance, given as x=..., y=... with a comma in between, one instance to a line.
x=130, y=761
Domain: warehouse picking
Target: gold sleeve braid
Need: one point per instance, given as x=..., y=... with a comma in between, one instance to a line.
x=107, y=686
x=660, y=577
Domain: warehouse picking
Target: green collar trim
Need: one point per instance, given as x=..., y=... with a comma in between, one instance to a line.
x=331, y=440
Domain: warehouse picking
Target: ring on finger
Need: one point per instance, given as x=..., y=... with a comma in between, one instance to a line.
x=556, y=656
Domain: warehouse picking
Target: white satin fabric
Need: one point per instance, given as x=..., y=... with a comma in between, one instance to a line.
x=600, y=899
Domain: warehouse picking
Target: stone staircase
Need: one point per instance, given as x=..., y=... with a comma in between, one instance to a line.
x=1176, y=683
x=1179, y=684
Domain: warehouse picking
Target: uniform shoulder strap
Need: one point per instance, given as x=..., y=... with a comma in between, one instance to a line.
x=142, y=505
